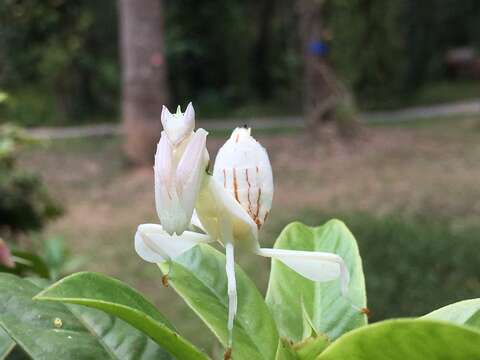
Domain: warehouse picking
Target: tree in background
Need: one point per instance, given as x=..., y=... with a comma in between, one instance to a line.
x=59, y=58
x=58, y=61
x=325, y=97
x=144, y=82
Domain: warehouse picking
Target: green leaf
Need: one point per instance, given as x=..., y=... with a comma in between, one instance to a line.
x=118, y=299
x=406, y=339
x=121, y=339
x=32, y=325
x=298, y=304
x=311, y=347
x=6, y=344
x=307, y=349
x=285, y=351
x=199, y=278
x=26, y=263
x=465, y=312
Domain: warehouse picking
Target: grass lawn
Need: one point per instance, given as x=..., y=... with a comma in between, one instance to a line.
x=426, y=175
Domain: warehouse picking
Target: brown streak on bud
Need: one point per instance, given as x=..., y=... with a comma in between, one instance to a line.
x=165, y=280
x=235, y=185
x=250, y=212
x=258, y=202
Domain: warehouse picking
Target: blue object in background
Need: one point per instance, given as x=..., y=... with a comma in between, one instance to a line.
x=319, y=48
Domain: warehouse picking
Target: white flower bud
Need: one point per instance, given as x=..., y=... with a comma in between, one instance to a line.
x=243, y=167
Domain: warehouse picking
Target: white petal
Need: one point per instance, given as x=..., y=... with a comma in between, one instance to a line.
x=191, y=171
x=314, y=265
x=163, y=169
x=169, y=209
x=154, y=244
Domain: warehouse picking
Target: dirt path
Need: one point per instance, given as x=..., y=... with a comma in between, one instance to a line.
x=409, y=114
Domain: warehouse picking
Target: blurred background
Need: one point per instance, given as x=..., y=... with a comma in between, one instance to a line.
x=369, y=109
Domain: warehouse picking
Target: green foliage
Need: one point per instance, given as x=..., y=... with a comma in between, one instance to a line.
x=307, y=349
x=367, y=46
x=58, y=258
x=118, y=299
x=382, y=50
x=406, y=339
x=285, y=351
x=465, y=312
x=433, y=259
x=12, y=139
x=199, y=277
x=309, y=307
x=67, y=54
x=311, y=347
x=27, y=263
x=62, y=63
x=56, y=331
x=32, y=319
x=6, y=344
x=25, y=203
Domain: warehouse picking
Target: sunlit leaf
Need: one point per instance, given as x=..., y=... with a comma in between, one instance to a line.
x=298, y=304
x=465, y=312
x=44, y=330
x=285, y=351
x=406, y=339
x=311, y=347
x=118, y=299
x=199, y=278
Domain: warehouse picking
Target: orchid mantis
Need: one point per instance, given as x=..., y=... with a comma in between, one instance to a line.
x=230, y=206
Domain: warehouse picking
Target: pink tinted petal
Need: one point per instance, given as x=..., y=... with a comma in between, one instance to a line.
x=191, y=171
x=5, y=255
x=163, y=174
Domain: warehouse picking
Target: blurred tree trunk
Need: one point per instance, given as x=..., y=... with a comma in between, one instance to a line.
x=144, y=83
x=324, y=94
